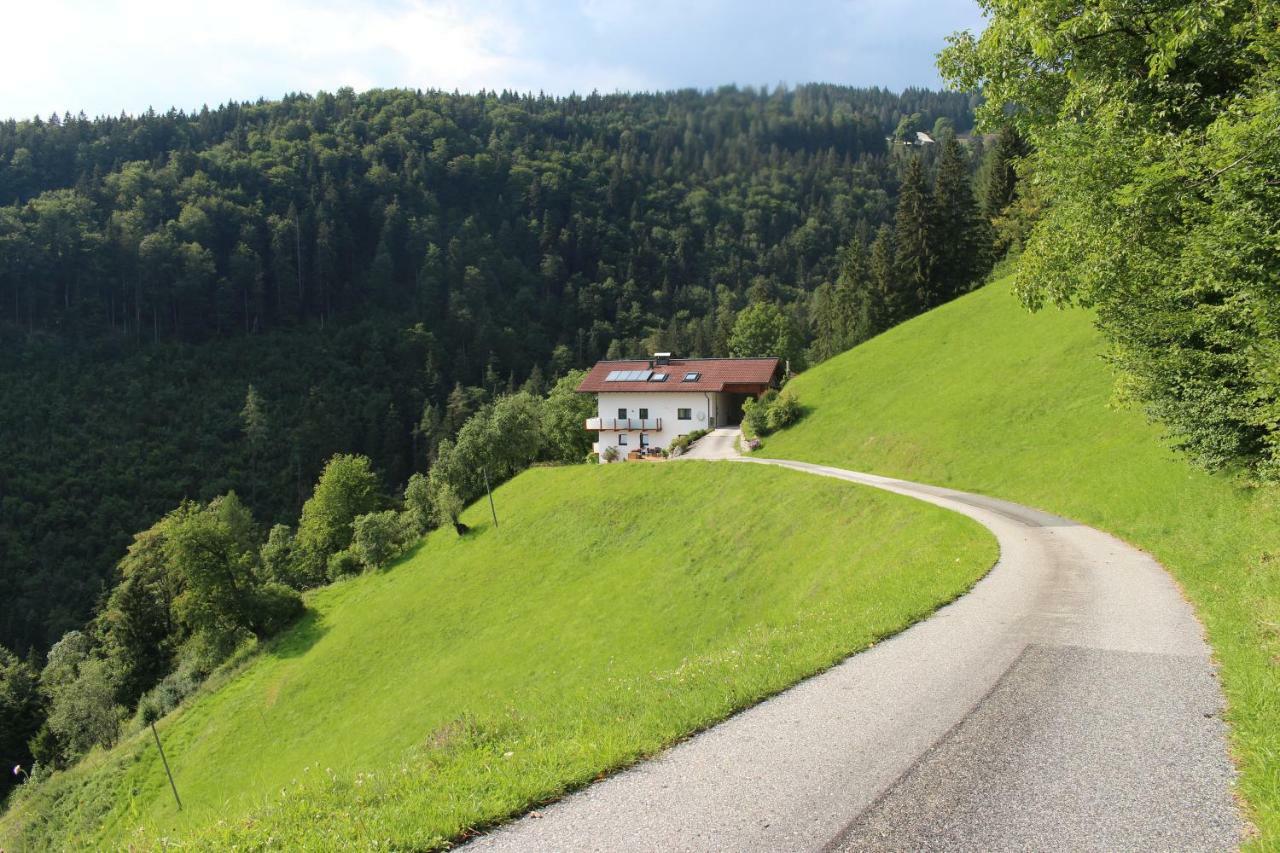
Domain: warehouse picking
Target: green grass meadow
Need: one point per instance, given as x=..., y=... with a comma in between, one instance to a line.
x=616, y=610
x=983, y=396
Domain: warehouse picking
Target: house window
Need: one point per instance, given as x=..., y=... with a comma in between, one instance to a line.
x=684, y=414
x=622, y=414
x=644, y=439
x=622, y=439
x=644, y=414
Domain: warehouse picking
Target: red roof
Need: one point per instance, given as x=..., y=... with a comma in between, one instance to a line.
x=750, y=375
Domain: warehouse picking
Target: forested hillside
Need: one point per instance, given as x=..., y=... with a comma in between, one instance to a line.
x=377, y=266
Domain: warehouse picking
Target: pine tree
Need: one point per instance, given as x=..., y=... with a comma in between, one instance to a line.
x=914, y=256
x=253, y=420
x=882, y=300
x=961, y=237
x=1000, y=181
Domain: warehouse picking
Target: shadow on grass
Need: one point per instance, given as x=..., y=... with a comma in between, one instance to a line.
x=299, y=639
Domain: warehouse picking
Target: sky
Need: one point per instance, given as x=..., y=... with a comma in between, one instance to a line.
x=113, y=56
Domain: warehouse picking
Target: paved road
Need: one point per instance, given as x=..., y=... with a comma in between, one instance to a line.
x=1067, y=702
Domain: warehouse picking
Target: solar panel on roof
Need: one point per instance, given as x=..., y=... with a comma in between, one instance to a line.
x=613, y=376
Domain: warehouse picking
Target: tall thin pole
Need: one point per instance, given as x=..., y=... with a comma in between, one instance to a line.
x=167, y=771
x=490, y=491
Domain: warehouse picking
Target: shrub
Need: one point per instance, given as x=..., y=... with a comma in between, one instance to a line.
x=342, y=564
x=347, y=488
x=611, y=454
x=172, y=689
x=83, y=712
x=276, y=556
x=417, y=502
x=755, y=413
x=446, y=506
x=681, y=443
x=784, y=411
x=276, y=606
x=377, y=538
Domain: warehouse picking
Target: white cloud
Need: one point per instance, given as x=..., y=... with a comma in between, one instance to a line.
x=107, y=56
x=129, y=54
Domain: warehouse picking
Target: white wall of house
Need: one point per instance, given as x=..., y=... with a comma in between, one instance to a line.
x=704, y=410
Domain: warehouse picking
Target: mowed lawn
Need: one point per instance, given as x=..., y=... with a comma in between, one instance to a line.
x=983, y=396
x=615, y=610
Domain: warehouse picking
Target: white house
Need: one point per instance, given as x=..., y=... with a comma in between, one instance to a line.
x=642, y=405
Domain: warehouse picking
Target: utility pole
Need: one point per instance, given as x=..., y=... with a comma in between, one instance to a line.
x=485, y=471
x=167, y=771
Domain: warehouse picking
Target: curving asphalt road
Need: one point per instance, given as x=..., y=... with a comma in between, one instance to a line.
x=1067, y=702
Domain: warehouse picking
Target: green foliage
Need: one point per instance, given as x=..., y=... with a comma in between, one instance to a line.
x=175, y=687
x=347, y=488
x=999, y=177
x=783, y=411
x=763, y=330
x=563, y=413
x=960, y=237
x=1019, y=406
x=755, y=413
x=521, y=664
x=276, y=558
x=499, y=440
x=80, y=692
x=20, y=714
x=358, y=259
x=417, y=503
x=276, y=606
x=1152, y=135
x=681, y=443
x=214, y=548
x=343, y=564
x=137, y=627
x=378, y=538
x=771, y=412
x=914, y=261
x=907, y=127
x=446, y=506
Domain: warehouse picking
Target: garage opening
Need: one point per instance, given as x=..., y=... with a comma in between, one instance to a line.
x=731, y=415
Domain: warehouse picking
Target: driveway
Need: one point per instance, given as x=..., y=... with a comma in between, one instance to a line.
x=1067, y=702
x=720, y=443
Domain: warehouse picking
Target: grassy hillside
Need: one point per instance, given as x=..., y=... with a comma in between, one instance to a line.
x=981, y=395
x=616, y=609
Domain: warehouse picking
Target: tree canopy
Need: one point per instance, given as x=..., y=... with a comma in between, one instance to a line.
x=1156, y=165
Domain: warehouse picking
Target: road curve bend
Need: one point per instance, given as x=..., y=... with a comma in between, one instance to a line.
x=1067, y=702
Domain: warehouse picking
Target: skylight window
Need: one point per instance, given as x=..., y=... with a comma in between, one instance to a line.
x=658, y=377
x=692, y=377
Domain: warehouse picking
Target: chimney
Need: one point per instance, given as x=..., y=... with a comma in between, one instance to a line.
x=663, y=358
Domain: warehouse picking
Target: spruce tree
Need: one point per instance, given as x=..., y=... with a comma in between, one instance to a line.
x=999, y=180
x=961, y=237
x=882, y=295
x=914, y=257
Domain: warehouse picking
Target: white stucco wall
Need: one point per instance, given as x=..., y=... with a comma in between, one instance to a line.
x=706, y=409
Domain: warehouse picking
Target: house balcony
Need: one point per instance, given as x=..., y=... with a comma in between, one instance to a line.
x=623, y=424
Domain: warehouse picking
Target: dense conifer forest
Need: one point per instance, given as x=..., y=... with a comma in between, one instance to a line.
x=197, y=303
